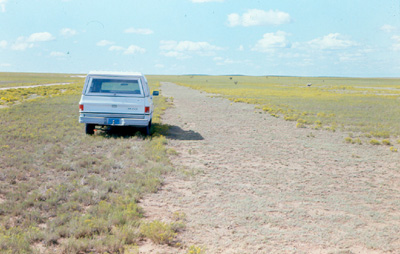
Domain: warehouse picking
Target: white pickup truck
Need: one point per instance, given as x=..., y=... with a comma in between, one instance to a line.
x=116, y=99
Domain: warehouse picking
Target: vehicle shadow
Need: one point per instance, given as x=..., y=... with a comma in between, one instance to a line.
x=118, y=132
x=169, y=131
x=177, y=133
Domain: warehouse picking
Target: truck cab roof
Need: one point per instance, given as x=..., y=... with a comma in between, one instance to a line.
x=115, y=73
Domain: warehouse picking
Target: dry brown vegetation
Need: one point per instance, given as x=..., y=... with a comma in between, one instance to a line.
x=62, y=191
x=328, y=186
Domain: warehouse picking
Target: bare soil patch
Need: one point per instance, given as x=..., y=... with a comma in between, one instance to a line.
x=252, y=183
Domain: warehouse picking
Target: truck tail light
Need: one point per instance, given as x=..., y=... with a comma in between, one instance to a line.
x=81, y=107
x=146, y=109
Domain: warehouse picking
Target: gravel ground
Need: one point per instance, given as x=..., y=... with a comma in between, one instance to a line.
x=252, y=183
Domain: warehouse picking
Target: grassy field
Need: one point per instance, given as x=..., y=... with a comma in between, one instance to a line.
x=62, y=191
x=9, y=79
x=366, y=108
x=14, y=79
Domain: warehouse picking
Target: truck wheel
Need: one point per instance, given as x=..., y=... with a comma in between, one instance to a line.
x=89, y=129
x=146, y=130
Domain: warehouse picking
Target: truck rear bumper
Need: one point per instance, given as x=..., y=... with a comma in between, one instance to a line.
x=115, y=119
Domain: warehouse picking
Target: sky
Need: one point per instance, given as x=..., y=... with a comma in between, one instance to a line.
x=348, y=38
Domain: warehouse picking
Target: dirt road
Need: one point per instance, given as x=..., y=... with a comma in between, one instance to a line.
x=252, y=183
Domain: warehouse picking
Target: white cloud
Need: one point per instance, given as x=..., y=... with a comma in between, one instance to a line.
x=5, y=65
x=116, y=48
x=133, y=49
x=144, y=31
x=331, y=41
x=396, y=45
x=272, y=41
x=175, y=54
x=255, y=17
x=67, y=32
x=388, y=28
x=241, y=48
x=40, y=37
x=21, y=44
x=3, y=5
x=160, y=66
x=292, y=55
x=184, y=49
x=228, y=61
x=3, y=44
x=188, y=46
x=103, y=43
x=225, y=61
x=206, y=1
x=234, y=19
x=356, y=55
x=57, y=54
x=167, y=45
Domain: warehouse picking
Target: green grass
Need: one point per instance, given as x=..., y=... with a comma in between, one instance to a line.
x=66, y=192
x=364, y=106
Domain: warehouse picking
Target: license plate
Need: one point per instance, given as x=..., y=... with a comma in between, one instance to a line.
x=113, y=121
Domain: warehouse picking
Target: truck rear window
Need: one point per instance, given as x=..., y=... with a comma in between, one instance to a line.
x=115, y=86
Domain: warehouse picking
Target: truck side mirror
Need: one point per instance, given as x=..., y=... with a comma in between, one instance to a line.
x=156, y=93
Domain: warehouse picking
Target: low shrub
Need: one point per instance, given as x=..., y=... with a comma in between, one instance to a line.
x=196, y=250
x=159, y=232
x=374, y=142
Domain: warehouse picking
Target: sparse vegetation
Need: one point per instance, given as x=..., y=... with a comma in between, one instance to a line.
x=196, y=250
x=301, y=123
x=159, y=232
x=264, y=178
x=363, y=106
x=62, y=191
x=374, y=142
x=353, y=140
x=348, y=140
x=311, y=135
x=16, y=79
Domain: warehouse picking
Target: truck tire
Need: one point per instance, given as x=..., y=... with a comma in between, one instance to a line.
x=89, y=129
x=146, y=131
